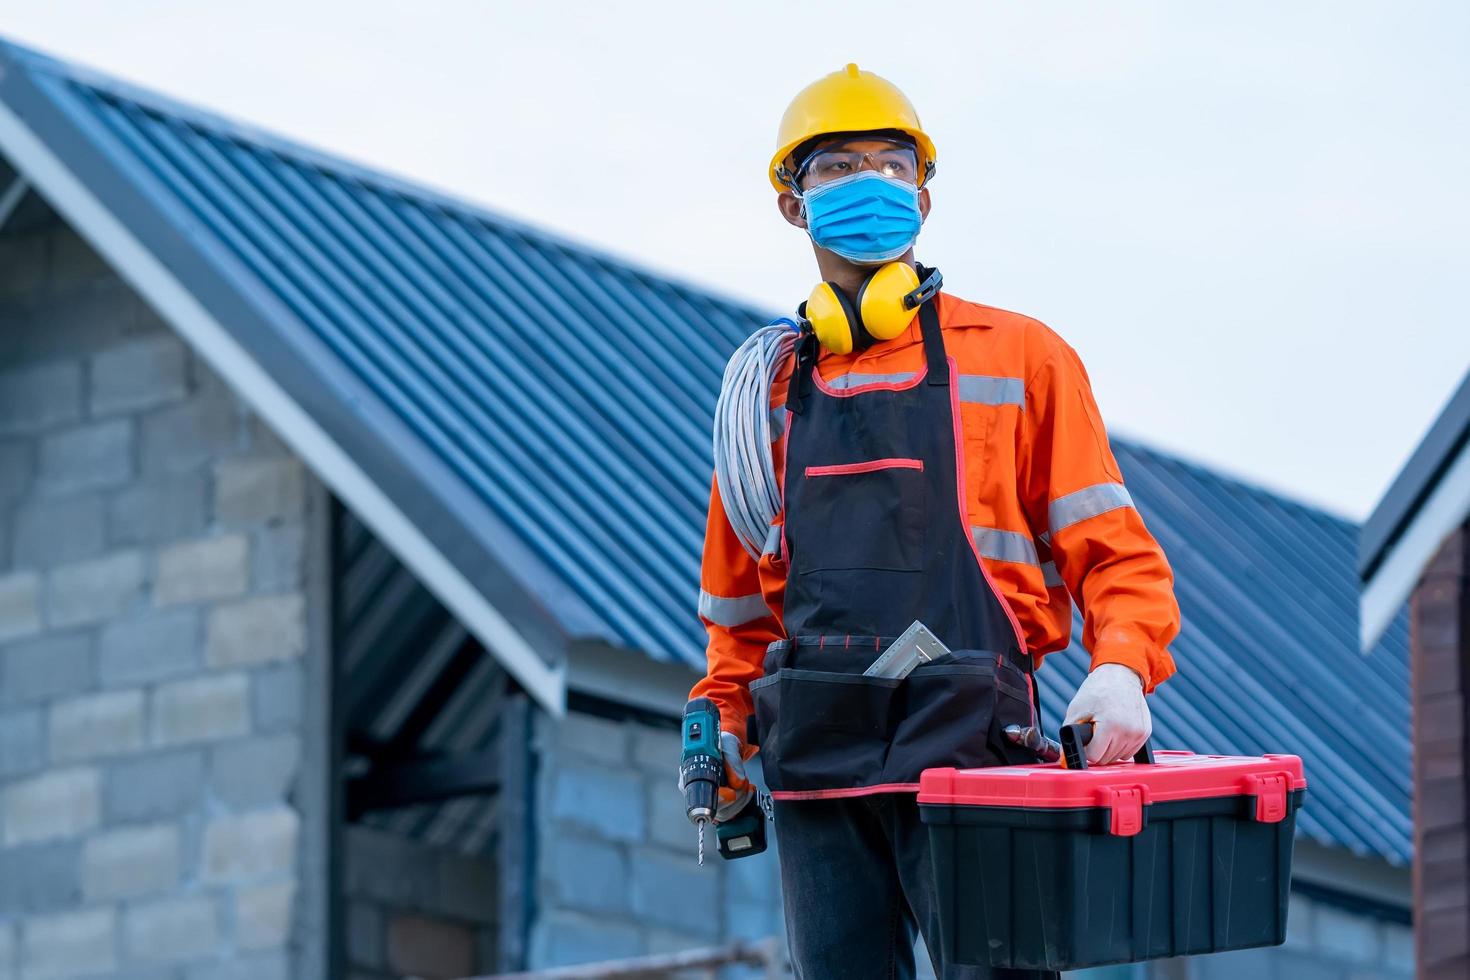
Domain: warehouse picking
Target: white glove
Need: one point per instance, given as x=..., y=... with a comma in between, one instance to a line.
x=1112, y=699
x=738, y=788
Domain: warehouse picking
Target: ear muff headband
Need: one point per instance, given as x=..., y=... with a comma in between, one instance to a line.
x=883, y=310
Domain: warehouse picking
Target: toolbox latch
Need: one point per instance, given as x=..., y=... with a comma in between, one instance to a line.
x=1270, y=791
x=1126, y=810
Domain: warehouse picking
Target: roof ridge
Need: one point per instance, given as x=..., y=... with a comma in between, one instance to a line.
x=377, y=177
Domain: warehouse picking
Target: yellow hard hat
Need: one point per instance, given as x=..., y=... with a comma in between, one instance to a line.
x=847, y=101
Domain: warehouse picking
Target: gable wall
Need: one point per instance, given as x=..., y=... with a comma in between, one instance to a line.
x=160, y=804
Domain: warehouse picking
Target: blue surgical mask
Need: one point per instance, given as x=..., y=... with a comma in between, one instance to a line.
x=866, y=218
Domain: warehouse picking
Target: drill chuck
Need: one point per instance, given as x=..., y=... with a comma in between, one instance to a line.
x=701, y=787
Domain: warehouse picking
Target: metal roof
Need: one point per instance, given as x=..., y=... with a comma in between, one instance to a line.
x=541, y=411
x=538, y=411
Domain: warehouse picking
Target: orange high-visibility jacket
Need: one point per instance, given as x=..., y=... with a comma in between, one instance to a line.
x=1045, y=502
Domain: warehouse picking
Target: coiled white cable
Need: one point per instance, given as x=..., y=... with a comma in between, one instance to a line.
x=745, y=470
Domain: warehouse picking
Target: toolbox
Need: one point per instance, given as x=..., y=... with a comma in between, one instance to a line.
x=1050, y=868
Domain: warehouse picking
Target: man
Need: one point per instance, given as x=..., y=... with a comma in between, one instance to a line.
x=949, y=467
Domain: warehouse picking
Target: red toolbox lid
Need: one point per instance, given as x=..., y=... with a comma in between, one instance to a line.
x=1173, y=776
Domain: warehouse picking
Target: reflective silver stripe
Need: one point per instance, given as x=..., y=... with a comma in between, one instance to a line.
x=778, y=422
x=998, y=545
x=773, y=540
x=1087, y=502
x=845, y=381
x=735, y=611
x=1013, y=546
x=981, y=389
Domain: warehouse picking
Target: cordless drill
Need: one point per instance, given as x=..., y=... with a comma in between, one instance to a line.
x=702, y=771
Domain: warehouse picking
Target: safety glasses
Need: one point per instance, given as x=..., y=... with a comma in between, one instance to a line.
x=891, y=158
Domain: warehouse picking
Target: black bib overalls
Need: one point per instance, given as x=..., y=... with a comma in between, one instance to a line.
x=876, y=537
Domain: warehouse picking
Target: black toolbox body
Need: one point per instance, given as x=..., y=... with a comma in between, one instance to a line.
x=1189, y=855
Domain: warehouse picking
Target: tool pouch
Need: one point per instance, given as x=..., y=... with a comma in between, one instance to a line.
x=825, y=728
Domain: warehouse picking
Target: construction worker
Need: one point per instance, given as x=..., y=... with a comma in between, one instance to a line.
x=949, y=467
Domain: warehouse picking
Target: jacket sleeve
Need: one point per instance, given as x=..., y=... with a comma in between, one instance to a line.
x=735, y=615
x=1076, y=501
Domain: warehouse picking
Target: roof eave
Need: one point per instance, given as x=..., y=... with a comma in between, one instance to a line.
x=1396, y=574
x=1416, y=483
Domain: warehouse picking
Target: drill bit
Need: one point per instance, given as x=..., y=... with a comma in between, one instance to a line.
x=700, y=824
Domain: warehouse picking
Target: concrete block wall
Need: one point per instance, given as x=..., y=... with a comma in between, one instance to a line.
x=1323, y=942
x=414, y=909
x=615, y=857
x=155, y=623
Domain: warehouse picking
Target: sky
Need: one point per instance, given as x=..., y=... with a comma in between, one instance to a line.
x=1251, y=218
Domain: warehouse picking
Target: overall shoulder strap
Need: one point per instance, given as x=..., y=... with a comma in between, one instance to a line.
x=800, y=386
x=934, y=357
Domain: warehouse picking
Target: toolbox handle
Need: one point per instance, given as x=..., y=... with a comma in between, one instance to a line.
x=1075, y=737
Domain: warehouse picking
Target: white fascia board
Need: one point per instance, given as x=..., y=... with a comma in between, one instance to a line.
x=1394, y=581
x=153, y=280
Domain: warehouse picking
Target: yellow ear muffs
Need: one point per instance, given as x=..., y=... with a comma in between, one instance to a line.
x=832, y=318
x=880, y=300
x=885, y=306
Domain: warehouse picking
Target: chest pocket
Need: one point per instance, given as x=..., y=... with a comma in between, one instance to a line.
x=990, y=411
x=865, y=515
x=978, y=425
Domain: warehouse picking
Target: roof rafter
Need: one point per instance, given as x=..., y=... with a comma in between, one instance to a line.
x=11, y=197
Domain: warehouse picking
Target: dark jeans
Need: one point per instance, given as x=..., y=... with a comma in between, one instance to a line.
x=857, y=883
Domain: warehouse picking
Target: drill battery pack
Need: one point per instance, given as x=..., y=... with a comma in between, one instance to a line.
x=1043, y=867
